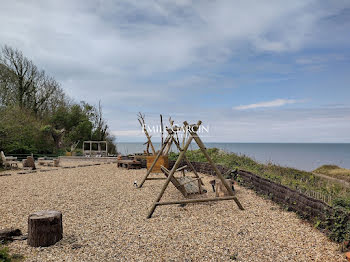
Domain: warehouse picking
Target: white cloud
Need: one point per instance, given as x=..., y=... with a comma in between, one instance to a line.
x=157, y=56
x=273, y=103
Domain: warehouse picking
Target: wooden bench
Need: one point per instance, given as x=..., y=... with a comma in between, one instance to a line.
x=127, y=163
x=186, y=185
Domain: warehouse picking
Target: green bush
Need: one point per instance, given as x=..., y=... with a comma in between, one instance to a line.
x=289, y=177
x=337, y=223
x=4, y=254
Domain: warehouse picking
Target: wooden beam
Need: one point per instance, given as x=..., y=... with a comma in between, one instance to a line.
x=186, y=159
x=167, y=140
x=211, y=162
x=168, y=146
x=196, y=200
x=172, y=172
x=143, y=125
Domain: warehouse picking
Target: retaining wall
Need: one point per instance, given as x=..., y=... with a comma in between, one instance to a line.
x=304, y=205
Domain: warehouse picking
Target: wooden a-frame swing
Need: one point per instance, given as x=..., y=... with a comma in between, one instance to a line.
x=169, y=140
x=192, y=130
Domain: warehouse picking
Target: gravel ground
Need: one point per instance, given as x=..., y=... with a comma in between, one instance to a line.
x=104, y=219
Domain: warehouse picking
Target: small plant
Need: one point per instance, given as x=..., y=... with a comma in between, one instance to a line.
x=5, y=256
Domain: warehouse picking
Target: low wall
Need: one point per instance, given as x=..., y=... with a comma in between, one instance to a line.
x=304, y=205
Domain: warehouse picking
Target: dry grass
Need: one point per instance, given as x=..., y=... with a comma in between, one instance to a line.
x=104, y=219
x=334, y=171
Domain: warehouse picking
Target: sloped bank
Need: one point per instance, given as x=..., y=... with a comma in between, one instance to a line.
x=333, y=221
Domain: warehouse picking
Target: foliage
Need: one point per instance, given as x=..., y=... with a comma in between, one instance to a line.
x=20, y=132
x=35, y=114
x=337, y=223
x=334, y=171
x=289, y=177
x=5, y=256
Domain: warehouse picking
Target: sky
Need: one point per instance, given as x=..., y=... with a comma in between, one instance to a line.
x=252, y=71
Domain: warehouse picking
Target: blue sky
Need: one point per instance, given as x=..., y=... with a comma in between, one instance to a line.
x=254, y=71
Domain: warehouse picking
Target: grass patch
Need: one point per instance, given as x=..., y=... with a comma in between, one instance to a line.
x=334, y=171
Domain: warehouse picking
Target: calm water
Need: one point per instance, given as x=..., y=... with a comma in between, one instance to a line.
x=302, y=156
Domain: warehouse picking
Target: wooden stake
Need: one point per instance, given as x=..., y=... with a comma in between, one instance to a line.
x=143, y=125
x=168, y=147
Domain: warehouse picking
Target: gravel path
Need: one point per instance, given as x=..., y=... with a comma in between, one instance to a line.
x=104, y=219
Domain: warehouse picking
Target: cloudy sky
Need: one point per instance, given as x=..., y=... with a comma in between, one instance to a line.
x=253, y=71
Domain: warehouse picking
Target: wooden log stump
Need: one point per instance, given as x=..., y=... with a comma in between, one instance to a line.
x=44, y=228
x=29, y=162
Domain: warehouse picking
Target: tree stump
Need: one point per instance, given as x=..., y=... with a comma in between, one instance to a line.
x=44, y=228
x=29, y=162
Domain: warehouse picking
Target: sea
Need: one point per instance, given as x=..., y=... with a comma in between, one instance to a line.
x=304, y=156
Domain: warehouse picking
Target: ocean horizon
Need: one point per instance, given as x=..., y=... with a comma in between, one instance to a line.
x=304, y=156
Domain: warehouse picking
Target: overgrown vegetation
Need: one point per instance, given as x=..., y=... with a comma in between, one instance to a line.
x=336, y=223
x=35, y=114
x=334, y=171
x=289, y=177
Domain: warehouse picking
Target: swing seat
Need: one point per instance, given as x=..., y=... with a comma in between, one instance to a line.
x=186, y=185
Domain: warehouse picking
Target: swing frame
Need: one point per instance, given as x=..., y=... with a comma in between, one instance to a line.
x=192, y=135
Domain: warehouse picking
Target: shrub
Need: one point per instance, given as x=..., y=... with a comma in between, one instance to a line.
x=4, y=254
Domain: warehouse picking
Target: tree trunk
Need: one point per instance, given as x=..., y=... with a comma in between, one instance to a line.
x=44, y=228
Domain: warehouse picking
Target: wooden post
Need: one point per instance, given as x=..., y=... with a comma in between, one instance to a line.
x=167, y=140
x=177, y=163
x=186, y=159
x=143, y=125
x=217, y=171
x=44, y=228
x=168, y=146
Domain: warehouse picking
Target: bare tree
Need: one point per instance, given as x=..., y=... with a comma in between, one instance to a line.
x=100, y=124
x=23, y=68
x=7, y=86
x=22, y=84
